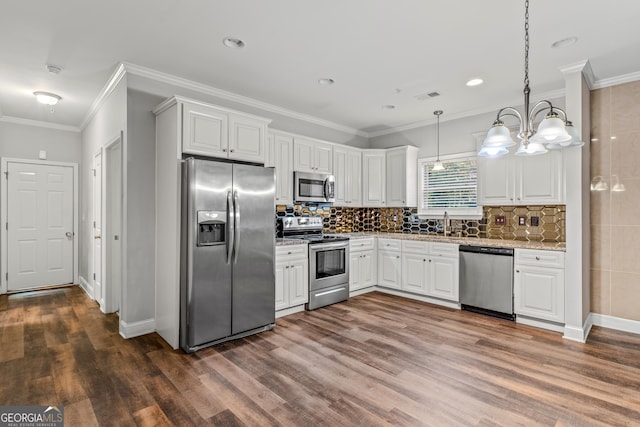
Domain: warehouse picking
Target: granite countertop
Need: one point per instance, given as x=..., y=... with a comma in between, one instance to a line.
x=281, y=241
x=472, y=241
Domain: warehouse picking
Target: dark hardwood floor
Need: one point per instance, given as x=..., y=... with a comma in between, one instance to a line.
x=375, y=360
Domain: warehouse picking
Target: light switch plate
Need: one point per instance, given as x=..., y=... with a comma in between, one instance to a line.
x=522, y=220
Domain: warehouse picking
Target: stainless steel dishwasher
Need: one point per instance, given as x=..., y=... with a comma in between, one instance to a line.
x=486, y=280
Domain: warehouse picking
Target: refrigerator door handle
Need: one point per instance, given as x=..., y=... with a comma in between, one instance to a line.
x=236, y=225
x=230, y=227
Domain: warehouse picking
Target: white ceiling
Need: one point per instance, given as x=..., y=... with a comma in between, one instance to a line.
x=378, y=52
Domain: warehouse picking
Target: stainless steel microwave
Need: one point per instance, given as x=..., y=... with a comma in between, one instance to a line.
x=313, y=187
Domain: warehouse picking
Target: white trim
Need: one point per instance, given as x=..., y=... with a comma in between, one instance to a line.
x=290, y=310
x=613, y=81
x=159, y=76
x=462, y=115
x=86, y=287
x=556, y=327
x=617, y=323
x=436, y=301
x=361, y=291
x=108, y=88
x=583, y=67
x=135, y=329
x=38, y=123
x=4, y=213
x=579, y=334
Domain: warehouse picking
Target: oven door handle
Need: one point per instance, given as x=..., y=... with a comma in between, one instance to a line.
x=323, y=246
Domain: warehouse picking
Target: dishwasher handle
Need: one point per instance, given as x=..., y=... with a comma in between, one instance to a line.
x=490, y=250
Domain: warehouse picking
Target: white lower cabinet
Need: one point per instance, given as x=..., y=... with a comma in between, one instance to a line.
x=389, y=263
x=430, y=268
x=292, y=276
x=539, y=284
x=362, y=267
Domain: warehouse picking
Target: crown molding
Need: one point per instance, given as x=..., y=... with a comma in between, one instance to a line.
x=613, y=81
x=470, y=113
x=583, y=67
x=108, y=88
x=170, y=79
x=38, y=123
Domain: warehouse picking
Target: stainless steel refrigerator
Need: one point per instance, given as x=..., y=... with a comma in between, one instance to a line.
x=228, y=247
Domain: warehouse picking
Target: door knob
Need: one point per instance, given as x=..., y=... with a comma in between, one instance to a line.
x=69, y=234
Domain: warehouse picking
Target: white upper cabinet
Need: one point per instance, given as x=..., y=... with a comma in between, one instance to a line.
x=514, y=180
x=347, y=170
x=217, y=132
x=402, y=177
x=374, y=177
x=312, y=156
x=281, y=157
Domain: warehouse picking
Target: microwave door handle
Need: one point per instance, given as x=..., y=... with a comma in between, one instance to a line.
x=325, y=189
x=236, y=225
x=230, y=227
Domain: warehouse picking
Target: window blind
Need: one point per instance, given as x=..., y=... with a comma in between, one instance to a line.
x=454, y=187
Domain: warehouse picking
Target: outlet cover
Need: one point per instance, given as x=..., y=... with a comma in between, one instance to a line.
x=500, y=220
x=522, y=220
x=535, y=221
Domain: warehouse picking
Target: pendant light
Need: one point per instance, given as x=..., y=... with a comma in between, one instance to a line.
x=554, y=132
x=437, y=166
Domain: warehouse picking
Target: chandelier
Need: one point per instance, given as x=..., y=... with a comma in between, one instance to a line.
x=554, y=132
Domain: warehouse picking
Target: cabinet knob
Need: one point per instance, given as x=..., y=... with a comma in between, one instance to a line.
x=403, y=201
x=429, y=260
x=424, y=260
x=537, y=258
x=517, y=271
x=518, y=198
x=286, y=266
x=288, y=253
x=510, y=198
x=224, y=150
x=232, y=150
x=398, y=256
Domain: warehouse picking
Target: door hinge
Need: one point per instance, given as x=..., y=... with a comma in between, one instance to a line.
x=94, y=224
x=6, y=276
x=94, y=276
x=6, y=174
x=6, y=226
x=94, y=172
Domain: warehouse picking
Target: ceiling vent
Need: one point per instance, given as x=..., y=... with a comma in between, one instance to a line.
x=425, y=96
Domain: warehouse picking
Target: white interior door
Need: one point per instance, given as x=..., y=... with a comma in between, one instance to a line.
x=98, y=292
x=40, y=224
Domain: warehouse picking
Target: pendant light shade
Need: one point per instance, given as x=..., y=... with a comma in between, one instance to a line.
x=575, y=138
x=487, y=151
x=552, y=129
x=530, y=149
x=498, y=136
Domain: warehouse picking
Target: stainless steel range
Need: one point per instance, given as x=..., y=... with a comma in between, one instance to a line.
x=328, y=260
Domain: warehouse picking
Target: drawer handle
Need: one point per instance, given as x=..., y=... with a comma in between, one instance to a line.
x=537, y=258
x=288, y=253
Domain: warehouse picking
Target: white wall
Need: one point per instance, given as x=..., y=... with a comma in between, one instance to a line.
x=140, y=213
x=25, y=142
x=103, y=128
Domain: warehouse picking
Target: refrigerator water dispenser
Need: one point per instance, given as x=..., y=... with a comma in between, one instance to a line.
x=211, y=228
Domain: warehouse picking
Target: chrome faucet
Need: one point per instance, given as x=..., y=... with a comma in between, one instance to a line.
x=445, y=225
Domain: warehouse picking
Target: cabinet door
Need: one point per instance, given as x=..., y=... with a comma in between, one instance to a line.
x=414, y=273
x=247, y=138
x=396, y=179
x=443, y=277
x=323, y=157
x=539, y=179
x=298, y=283
x=373, y=179
x=368, y=270
x=341, y=175
x=389, y=269
x=539, y=292
x=355, y=279
x=303, y=155
x=204, y=131
x=354, y=177
x=496, y=181
x=282, y=284
x=283, y=162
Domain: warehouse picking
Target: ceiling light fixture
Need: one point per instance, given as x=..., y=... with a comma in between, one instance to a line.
x=564, y=42
x=475, y=82
x=47, y=98
x=233, y=43
x=326, y=82
x=437, y=166
x=552, y=130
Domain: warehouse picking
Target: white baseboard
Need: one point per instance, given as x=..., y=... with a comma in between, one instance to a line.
x=86, y=287
x=134, y=329
x=557, y=327
x=579, y=334
x=422, y=298
x=362, y=291
x=290, y=310
x=617, y=323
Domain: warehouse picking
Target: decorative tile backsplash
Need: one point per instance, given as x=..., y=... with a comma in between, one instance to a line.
x=550, y=221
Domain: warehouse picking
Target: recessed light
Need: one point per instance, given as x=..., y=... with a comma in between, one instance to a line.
x=564, y=42
x=47, y=98
x=475, y=82
x=326, y=82
x=388, y=107
x=232, y=43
